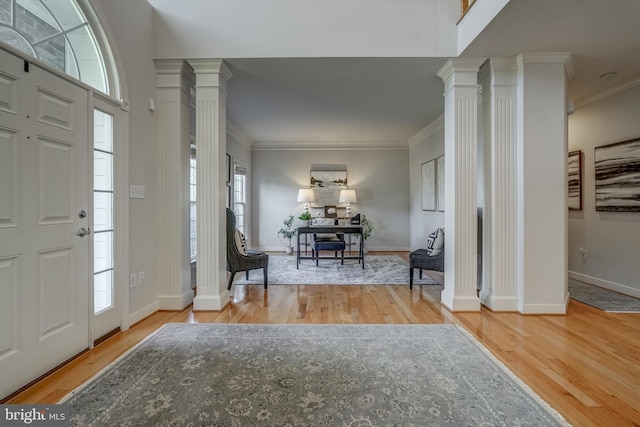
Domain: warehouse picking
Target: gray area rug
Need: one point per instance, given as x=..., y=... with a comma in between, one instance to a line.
x=308, y=375
x=603, y=299
x=379, y=270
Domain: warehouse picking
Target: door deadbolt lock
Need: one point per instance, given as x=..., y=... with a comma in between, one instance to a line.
x=82, y=214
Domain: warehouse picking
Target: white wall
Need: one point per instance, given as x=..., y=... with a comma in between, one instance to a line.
x=292, y=28
x=612, y=239
x=425, y=146
x=131, y=25
x=379, y=176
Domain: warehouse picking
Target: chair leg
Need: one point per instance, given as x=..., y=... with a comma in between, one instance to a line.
x=342, y=257
x=230, y=281
x=264, y=272
x=246, y=274
x=420, y=274
x=410, y=278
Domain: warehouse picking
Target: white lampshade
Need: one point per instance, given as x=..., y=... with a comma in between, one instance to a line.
x=347, y=196
x=306, y=195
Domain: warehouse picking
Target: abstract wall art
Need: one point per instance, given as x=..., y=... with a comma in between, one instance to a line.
x=574, y=169
x=617, y=168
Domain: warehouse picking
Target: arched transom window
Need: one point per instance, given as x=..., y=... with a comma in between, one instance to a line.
x=57, y=33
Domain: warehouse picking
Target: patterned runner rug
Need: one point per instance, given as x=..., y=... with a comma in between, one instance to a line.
x=379, y=270
x=603, y=299
x=308, y=375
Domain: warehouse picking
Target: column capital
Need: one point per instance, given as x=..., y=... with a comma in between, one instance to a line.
x=503, y=71
x=551, y=57
x=212, y=67
x=461, y=71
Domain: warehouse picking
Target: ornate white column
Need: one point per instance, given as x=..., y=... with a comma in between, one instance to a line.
x=211, y=149
x=174, y=77
x=541, y=140
x=500, y=292
x=460, y=78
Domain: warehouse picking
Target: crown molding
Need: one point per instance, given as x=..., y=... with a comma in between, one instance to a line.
x=329, y=145
x=239, y=135
x=607, y=93
x=427, y=131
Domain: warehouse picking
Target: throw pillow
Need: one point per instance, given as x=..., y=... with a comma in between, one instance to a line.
x=321, y=222
x=241, y=242
x=435, y=242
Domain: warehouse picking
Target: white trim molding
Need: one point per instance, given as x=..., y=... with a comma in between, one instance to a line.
x=433, y=127
x=605, y=284
x=329, y=145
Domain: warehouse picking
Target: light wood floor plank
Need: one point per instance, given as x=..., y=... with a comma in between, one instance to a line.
x=585, y=364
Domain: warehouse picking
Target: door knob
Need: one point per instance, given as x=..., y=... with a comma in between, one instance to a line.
x=84, y=232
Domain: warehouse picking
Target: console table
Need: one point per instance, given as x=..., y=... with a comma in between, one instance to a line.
x=330, y=229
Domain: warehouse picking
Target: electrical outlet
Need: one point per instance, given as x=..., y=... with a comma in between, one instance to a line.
x=141, y=277
x=132, y=281
x=583, y=253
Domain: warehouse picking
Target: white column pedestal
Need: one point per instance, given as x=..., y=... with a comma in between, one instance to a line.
x=461, y=138
x=211, y=147
x=174, y=78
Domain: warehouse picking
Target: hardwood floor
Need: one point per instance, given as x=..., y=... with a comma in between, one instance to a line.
x=585, y=364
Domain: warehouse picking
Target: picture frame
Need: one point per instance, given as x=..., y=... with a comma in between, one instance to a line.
x=574, y=177
x=428, y=180
x=440, y=182
x=617, y=176
x=326, y=186
x=228, y=175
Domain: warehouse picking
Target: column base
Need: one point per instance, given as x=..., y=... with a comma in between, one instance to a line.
x=460, y=303
x=175, y=302
x=498, y=303
x=211, y=302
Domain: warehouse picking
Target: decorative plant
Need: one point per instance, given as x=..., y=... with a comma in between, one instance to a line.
x=367, y=227
x=288, y=232
x=305, y=216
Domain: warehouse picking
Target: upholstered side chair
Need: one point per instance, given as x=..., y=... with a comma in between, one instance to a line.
x=236, y=261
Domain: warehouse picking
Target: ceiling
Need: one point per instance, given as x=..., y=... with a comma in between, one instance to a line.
x=364, y=100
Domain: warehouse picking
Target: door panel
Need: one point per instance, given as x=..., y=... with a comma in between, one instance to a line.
x=9, y=306
x=9, y=178
x=43, y=185
x=55, y=186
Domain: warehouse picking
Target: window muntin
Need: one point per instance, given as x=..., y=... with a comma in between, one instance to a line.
x=103, y=213
x=57, y=33
x=192, y=204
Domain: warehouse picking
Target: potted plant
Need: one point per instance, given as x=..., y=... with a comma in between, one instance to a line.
x=367, y=229
x=288, y=232
x=306, y=217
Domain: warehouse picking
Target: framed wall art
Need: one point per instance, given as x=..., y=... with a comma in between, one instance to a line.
x=429, y=185
x=327, y=186
x=574, y=172
x=617, y=169
x=440, y=182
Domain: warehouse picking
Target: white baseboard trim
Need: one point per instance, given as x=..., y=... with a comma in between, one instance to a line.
x=616, y=287
x=544, y=308
x=143, y=313
x=175, y=302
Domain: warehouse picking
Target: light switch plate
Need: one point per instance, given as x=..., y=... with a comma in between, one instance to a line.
x=136, y=191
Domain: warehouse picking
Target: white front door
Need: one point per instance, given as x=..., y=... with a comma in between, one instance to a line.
x=44, y=299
